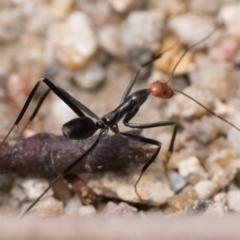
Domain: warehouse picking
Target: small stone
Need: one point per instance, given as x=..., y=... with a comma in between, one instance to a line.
x=214, y=76
x=181, y=200
x=191, y=28
x=205, y=189
x=176, y=181
x=233, y=201
x=73, y=41
x=169, y=59
x=142, y=29
x=110, y=40
x=180, y=105
x=125, y=5
x=72, y=205
x=233, y=138
x=206, y=207
x=87, y=210
x=46, y=207
x=18, y=193
x=35, y=187
x=91, y=76
x=205, y=6
x=221, y=166
x=170, y=8
x=229, y=15
x=179, y=156
x=221, y=198
x=122, y=209
x=205, y=129
x=153, y=186
x=191, y=170
x=224, y=48
x=61, y=9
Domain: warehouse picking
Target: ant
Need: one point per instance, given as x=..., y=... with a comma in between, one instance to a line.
x=84, y=126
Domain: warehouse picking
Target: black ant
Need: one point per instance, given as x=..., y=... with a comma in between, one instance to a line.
x=84, y=127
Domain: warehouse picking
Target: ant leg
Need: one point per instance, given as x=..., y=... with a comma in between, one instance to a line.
x=22, y=111
x=35, y=110
x=66, y=171
x=151, y=141
x=135, y=76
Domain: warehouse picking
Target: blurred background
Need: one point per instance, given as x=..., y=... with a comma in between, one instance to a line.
x=91, y=49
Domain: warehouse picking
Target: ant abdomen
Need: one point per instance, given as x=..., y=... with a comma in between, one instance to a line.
x=79, y=128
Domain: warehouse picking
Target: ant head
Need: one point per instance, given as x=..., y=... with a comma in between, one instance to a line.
x=160, y=90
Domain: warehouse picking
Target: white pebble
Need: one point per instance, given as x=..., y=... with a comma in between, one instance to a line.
x=233, y=199
x=205, y=189
x=87, y=210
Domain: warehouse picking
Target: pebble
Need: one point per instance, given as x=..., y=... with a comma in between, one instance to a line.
x=191, y=28
x=180, y=105
x=221, y=198
x=121, y=210
x=61, y=9
x=91, y=76
x=48, y=206
x=99, y=11
x=229, y=15
x=72, y=205
x=191, y=170
x=18, y=193
x=176, y=182
x=35, y=187
x=205, y=129
x=169, y=8
x=206, y=208
x=220, y=165
x=205, y=6
x=87, y=210
x=73, y=41
x=181, y=200
x=224, y=48
x=152, y=189
x=142, y=29
x=124, y=6
x=110, y=40
x=233, y=201
x=169, y=59
x=205, y=189
x=214, y=77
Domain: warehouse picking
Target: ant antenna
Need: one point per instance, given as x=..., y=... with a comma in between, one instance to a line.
x=187, y=50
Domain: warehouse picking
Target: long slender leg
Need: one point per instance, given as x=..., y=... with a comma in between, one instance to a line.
x=151, y=141
x=66, y=171
x=29, y=99
x=136, y=74
x=40, y=102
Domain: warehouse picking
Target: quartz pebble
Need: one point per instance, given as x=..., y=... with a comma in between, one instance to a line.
x=233, y=201
x=48, y=206
x=191, y=27
x=72, y=205
x=191, y=170
x=205, y=189
x=221, y=166
x=141, y=29
x=125, y=5
x=91, y=76
x=182, y=106
x=214, y=77
x=206, y=207
x=35, y=187
x=110, y=40
x=73, y=41
x=229, y=15
x=87, y=210
x=181, y=200
x=122, y=209
x=152, y=190
x=176, y=181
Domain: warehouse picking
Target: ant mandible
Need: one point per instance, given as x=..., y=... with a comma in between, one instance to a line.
x=84, y=127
